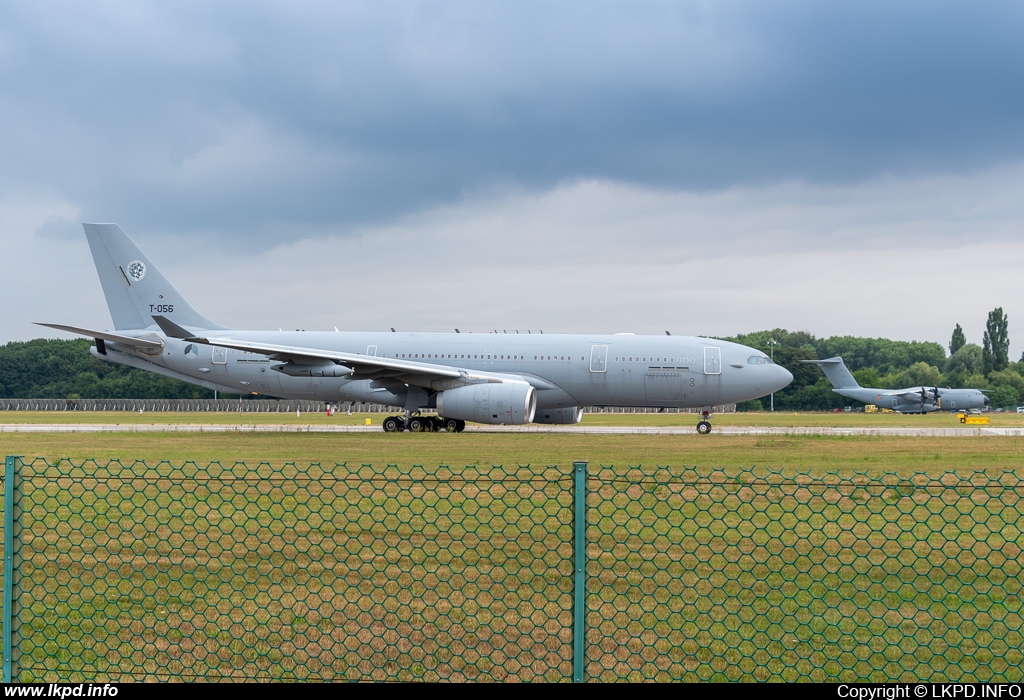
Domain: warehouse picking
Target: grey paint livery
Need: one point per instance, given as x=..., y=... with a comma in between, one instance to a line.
x=490, y=378
x=915, y=399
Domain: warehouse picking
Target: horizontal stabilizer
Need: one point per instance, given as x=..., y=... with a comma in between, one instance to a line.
x=103, y=335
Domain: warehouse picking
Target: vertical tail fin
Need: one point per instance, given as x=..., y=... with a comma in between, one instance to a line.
x=836, y=372
x=134, y=287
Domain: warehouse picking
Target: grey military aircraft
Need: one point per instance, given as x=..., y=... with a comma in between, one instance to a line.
x=493, y=378
x=915, y=399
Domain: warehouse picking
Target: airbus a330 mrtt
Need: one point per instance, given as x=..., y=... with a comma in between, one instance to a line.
x=495, y=378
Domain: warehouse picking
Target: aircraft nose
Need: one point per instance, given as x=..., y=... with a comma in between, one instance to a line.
x=987, y=400
x=784, y=377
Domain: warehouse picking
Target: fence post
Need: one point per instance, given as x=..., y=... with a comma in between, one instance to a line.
x=579, y=569
x=8, y=617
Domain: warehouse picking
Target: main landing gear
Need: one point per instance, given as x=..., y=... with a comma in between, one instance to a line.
x=423, y=424
x=704, y=426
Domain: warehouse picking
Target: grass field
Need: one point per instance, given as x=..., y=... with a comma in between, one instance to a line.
x=278, y=568
x=814, y=454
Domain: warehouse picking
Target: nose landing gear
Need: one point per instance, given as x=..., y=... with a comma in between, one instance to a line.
x=704, y=426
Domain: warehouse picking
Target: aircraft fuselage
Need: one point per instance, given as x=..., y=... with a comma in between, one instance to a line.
x=566, y=370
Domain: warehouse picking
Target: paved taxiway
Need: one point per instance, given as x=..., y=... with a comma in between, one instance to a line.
x=565, y=429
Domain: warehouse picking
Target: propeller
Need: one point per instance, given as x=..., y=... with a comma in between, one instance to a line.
x=929, y=396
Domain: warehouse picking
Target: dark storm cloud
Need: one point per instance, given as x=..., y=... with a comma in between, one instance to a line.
x=270, y=117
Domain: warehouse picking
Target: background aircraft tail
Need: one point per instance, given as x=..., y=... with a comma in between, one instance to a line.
x=836, y=372
x=134, y=287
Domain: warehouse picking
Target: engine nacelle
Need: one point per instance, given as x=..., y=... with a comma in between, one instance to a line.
x=562, y=416
x=495, y=404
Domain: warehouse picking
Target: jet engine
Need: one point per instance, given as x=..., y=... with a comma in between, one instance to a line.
x=572, y=414
x=496, y=404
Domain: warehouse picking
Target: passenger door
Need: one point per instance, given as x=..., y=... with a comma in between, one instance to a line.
x=712, y=360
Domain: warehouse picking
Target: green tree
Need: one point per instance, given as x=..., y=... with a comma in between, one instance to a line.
x=920, y=374
x=1003, y=397
x=958, y=340
x=1008, y=378
x=996, y=342
x=967, y=359
x=867, y=377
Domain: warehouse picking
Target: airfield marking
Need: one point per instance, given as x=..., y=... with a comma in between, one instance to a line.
x=570, y=430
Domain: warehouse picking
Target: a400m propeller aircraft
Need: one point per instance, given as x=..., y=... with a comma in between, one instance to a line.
x=494, y=378
x=915, y=399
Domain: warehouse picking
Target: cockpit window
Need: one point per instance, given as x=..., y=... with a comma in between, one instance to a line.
x=757, y=360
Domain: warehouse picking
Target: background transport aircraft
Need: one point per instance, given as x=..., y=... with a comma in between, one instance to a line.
x=915, y=399
x=495, y=378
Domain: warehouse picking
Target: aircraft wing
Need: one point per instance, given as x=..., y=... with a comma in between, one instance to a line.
x=369, y=366
x=915, y=394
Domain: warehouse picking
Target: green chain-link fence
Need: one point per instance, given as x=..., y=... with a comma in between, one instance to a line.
x=136, y=572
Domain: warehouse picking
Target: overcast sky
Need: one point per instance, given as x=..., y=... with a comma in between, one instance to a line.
x=699, y=167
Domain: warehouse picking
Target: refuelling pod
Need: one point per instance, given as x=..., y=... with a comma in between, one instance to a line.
x=322, y=369
x=572, y=414
x=495, y=404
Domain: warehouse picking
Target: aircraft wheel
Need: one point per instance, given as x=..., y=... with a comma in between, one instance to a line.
x=392, y=425
x=436, y=424
x=416, y=425
x=451, y=425
x=462, y=426
x=704, y=427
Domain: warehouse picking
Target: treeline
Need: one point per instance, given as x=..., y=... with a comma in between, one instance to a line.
x=891, y=364
x=64, y=369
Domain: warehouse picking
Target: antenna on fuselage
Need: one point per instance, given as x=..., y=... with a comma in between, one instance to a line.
x=667, y=333
x=456, y=330
x=392, y=330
